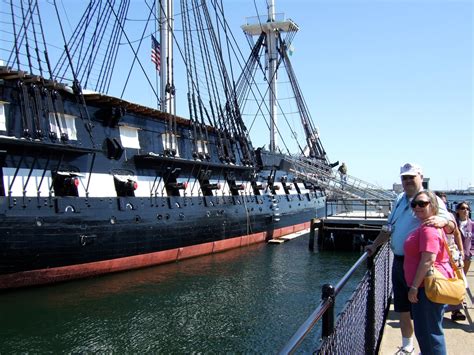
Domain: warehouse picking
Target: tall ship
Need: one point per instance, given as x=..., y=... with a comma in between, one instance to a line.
x=93, y=183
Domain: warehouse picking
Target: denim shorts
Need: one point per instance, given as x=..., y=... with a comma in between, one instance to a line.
x=400, y=288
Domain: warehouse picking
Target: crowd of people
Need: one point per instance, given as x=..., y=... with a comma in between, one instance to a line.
x=422, y=234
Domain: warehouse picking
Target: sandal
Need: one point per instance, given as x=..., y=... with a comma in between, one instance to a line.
x=457, y=315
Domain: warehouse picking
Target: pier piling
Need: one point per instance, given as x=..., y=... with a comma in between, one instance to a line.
x=314, y=229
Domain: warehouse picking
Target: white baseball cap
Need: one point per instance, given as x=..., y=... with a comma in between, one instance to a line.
x=410, y=169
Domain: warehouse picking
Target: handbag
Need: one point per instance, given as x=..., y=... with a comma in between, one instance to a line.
x=440, y=289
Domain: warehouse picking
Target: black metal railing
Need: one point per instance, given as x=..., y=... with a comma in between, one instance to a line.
x=359, y=326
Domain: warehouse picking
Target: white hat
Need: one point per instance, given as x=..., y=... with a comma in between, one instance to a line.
x=410, y=169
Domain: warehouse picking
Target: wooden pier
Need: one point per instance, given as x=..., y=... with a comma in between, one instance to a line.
x=350, y=231
x=348, y=224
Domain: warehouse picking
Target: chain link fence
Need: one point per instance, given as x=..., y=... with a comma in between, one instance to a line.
x=359, y=327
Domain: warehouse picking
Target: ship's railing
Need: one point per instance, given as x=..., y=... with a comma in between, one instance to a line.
x=255, y=20
x=358, y=328
x=345, y=187
x=366, y=208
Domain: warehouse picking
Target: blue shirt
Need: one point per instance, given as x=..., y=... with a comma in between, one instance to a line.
x=403, y=221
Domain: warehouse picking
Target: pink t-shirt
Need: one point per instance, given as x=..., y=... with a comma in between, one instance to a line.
x=425, y=239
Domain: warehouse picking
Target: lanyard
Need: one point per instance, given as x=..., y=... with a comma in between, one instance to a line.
x=392, y=222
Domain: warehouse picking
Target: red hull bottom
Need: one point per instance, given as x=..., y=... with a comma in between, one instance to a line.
x=58, y=274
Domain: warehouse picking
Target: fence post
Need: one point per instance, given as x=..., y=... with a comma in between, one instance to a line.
x=370, y=325
x=328, y=292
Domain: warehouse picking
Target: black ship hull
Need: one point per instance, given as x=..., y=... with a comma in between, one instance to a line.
x=91, y=183
x=72, y=208
x=53, y=243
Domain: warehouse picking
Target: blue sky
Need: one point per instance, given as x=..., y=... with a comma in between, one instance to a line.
x=389, y=82
x=386, y=82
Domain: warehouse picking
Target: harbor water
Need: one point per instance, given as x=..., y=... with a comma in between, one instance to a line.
x=250, y=299
x=455, y=199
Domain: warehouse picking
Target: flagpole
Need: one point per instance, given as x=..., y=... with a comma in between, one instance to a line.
x=171, y=90
x=156, y=59
x=166, y=63
x=163, y=8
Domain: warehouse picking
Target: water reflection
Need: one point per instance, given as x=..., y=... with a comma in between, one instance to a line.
x=244, y=300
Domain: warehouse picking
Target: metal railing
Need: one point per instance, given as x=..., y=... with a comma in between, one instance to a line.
x=359, y=326
x=365, y=208
x=347, y=187
x=255, y=20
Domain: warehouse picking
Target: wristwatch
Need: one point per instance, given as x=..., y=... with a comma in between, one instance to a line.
x=387, y=228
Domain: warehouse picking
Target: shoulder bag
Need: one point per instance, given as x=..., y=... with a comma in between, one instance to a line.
x=439, y=288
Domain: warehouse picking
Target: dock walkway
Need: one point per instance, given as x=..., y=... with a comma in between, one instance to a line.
x=459, y=335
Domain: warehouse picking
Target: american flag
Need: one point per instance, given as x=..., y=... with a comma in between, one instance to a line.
x=155, y=52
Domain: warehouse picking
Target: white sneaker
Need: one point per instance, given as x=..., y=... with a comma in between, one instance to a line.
x=404, y=351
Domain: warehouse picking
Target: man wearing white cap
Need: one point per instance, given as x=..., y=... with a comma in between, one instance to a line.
x=400, y=223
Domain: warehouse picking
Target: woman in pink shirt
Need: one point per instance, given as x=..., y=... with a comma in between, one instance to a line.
x=425, y=248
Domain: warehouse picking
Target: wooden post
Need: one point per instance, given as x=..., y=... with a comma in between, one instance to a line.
x=313, y=232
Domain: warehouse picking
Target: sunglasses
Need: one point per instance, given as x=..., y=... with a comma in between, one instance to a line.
x=463, y=208
x=419, y=203
x=408, y=177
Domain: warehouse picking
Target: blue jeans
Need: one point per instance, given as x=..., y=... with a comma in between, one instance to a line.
x=428, y=322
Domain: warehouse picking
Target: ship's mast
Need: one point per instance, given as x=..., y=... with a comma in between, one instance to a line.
x=272, y=29
x=167, y=90
x=272, y=60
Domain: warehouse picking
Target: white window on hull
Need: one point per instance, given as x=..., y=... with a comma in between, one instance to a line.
x=129, y=137
x=202, y=147
x=246, y=188
x=302, y=187
x=100, y=185
x=278, y=187
x=63, y=123
x=224, y=189
x=3, y=119
x=192, y=188
x=24, y=181
x=170, y=143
